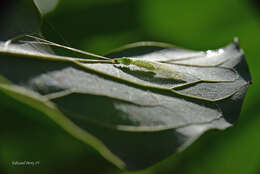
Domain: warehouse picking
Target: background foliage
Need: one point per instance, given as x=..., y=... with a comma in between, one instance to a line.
x=99, y=26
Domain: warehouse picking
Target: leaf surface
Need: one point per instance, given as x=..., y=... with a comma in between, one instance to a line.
x=135, y=114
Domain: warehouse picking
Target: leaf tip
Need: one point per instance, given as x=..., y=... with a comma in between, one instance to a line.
x=236, y=41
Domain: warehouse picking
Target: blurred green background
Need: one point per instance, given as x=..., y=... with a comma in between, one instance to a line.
x=101, y=25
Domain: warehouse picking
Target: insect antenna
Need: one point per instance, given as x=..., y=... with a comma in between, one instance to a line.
x=46, y=42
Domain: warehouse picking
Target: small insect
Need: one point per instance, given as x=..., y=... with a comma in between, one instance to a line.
x=161, y=69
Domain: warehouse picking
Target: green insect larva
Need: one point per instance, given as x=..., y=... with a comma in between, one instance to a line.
x=140, y=63
x=158, y=68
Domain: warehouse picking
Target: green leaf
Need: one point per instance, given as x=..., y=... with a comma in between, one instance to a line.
x=139, y=117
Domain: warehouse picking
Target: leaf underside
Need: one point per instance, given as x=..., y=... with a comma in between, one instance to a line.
x=132, y=116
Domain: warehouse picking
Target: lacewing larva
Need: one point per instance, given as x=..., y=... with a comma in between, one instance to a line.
x=159, y=68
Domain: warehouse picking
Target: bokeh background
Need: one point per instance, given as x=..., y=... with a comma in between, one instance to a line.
x=101, y=25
